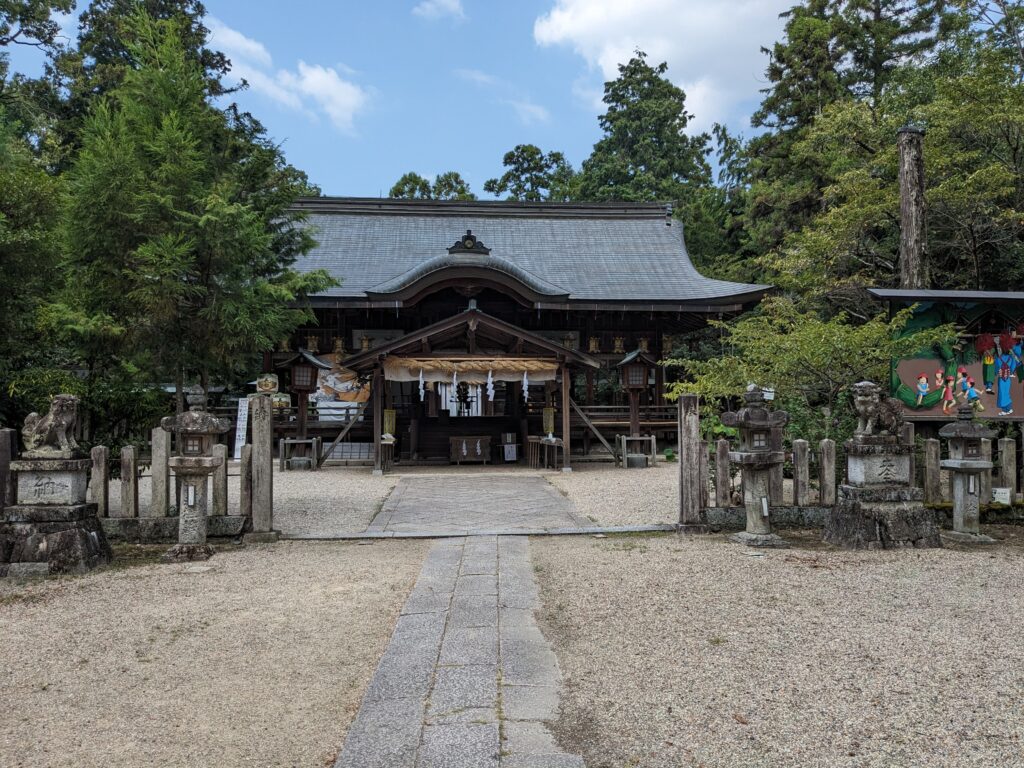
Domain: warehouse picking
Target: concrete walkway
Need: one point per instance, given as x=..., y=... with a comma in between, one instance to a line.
x=467, y=680
x=474, y=504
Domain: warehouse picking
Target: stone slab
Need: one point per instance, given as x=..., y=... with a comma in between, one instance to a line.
x=384, y=734
x=465, y=745
x=878, y=469
x=165, y=529
x=471, y=686
x=33, y=513
x=37, y=486
x=529, y=702
x=473, y=645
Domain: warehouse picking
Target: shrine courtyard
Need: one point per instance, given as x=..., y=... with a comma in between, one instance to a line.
x=643, y=650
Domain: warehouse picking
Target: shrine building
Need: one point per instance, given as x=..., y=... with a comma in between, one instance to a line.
x=461, y=328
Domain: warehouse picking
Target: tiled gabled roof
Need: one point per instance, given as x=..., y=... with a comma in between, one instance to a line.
x=595, y=253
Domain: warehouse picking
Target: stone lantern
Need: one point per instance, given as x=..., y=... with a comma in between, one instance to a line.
x=966, y=462
x=756, y=459
x=195, y=429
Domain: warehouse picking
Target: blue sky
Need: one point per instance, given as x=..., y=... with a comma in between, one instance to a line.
x=360, y=92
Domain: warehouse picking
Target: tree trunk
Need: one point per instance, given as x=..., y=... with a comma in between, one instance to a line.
x=913, y=265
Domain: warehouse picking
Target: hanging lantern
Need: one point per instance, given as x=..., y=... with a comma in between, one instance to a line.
x=313, y=344
x=365, y=343
x=594, y=345
x=619, y=345
x=339, y=347
x=642, y=343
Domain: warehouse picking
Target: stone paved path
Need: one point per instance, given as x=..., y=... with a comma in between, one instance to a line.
x=467, y=680
x=454, y=504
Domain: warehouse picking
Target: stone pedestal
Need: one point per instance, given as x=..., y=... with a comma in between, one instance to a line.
x=194, y=472
x=879, y=508
x=51, y=529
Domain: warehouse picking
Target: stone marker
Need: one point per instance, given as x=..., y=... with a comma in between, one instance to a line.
x=705, y=475
x=262, y=472
x=1008, y=465
x=99, y=483
x=245, y=482
x=220, y=481
x=723, y=484
x=801, y=473
x=932, y=472
x=195, y=429
x=129, y=482
x=775, y=478
x=52, y=529
x=160, y=489
x=967, y=464
x=756, y=459
x=879, y=508
x=908, y=440
x=827, y=473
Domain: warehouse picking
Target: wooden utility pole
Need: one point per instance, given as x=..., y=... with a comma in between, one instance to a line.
x=913, y=245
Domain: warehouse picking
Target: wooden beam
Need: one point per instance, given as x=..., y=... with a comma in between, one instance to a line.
x=378, y=417
x=597, y=432
x=566, y=422
x=341, y=435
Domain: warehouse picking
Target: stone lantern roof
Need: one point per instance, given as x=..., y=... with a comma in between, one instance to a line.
x=196, y=422
x=966, y=428
x=754, y=414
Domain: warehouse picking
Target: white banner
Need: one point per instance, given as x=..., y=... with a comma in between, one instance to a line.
x=241, y=426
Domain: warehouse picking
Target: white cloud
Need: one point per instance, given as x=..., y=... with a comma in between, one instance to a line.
x=712, y=47
x=476, y=76
x=234, y=43
x=528, y=112
x=311, y=89
x=435, y=9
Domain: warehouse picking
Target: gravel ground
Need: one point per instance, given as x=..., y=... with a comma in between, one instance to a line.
x=613, y=496
x=684, y=651
x=334, y=500
x=261, y=661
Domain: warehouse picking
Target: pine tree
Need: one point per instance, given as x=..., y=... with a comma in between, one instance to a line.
x=533, y=175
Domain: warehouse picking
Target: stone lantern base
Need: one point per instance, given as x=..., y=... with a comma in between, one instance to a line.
x=968, y=538
x=881, y=518
x=186, y=553
x=51, y=530
x=770, y=540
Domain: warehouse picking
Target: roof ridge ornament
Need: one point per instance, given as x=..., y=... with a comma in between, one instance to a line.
x=469, y=243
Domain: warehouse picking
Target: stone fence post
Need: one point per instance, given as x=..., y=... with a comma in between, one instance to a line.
x=7, y=447
x=262, y=471
x=1008, y=466
x=801, y=473
x=129, y=482
x=160, y=487
x=932, y=472
x=985, y=489
x=245, y=482
x=705, y=475
x=220, y=481
x=908, y=439
x=775, y=479
x=827, y=473
x=723, y=484
x=99, y=483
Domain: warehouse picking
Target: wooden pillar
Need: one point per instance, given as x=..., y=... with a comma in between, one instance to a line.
x=723, y=482
x=1008, y=465
x=932, y=469
x=634, y=413
x=913, y=245
x=801, y=473
x=99, y=483
x=566, y=426
x=691, y=518
x=7, y=447
x=827, y=473
x=378, y=418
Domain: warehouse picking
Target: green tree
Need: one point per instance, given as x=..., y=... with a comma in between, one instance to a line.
x=179, y=239
x=810, y=362
x=411, y=186
x=446, y=186
x=451, y=186
x=533, y=175
x=645, y=153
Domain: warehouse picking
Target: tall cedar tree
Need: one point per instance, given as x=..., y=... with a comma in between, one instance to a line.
x=179, y=240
